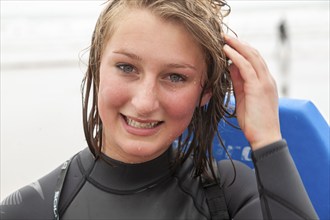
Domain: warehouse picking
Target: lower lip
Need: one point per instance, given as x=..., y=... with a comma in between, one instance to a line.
x=140, y=131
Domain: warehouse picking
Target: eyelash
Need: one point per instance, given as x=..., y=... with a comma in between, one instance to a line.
x=182, y=78
x=124, y=68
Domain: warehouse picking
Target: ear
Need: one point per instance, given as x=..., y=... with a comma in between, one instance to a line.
x=206, y=98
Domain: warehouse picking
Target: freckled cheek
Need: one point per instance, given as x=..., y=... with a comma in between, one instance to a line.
x=181, y=107
x=111, y=95
x=178, y=116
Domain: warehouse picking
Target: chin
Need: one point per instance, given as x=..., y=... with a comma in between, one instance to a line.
x=140, y=154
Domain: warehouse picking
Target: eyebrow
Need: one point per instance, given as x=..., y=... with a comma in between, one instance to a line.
x=170, y=65
x=130, y=55
x=176, y=65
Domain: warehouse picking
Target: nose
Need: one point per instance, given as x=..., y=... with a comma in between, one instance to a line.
x=145, y=99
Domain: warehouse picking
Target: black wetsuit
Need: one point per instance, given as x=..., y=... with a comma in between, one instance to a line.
x=96, y=190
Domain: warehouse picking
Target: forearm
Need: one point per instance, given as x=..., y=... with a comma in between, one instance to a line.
x=282, y=193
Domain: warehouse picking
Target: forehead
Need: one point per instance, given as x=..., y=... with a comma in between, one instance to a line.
x=142, y=30
x=128, y=9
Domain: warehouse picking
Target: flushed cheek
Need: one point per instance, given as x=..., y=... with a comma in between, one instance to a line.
x=110, y=100
x=182, y=103
x=112, y=93
x=180, y=111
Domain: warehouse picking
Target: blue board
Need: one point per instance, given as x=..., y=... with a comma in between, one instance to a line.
x=307, y=135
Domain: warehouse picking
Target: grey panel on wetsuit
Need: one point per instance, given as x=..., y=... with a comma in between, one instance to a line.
x=242, y=196
x=34, y=201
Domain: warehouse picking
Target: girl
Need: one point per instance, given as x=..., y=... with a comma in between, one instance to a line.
x=158, y=73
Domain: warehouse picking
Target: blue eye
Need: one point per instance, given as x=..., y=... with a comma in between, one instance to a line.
x=126, y=68
x=176, y=78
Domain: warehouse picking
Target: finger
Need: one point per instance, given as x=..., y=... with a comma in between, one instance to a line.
x=250, y=54
x=238, y=82
x=245, y=68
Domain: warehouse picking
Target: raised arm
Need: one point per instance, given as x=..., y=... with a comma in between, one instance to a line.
x=282, y=193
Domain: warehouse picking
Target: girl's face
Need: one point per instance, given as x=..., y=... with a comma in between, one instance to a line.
x=150, y=83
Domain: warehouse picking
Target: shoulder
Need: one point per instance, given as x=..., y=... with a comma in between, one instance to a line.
x=235, y=171
x=240, y=188
x=33, y=201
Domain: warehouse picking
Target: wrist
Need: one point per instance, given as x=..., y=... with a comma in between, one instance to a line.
x=265, y=141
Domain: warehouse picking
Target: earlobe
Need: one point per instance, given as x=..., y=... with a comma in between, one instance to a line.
x=206, y=98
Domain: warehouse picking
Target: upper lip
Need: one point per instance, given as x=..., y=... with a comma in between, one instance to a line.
x=141, y=120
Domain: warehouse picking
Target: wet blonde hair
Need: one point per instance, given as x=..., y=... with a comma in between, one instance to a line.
x=204, y=20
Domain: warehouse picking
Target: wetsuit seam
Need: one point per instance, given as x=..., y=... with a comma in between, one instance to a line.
x=286, y=204
x=268, y=154
x=247, y=201
x=261, y=194
x=72, y=196
x=190, y=195
x=127, y=192
x=77, y=189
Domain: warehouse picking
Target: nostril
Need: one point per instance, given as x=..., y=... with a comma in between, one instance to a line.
x=145, y=104
x=145, y=98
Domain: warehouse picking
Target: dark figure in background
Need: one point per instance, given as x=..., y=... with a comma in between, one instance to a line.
x=284, y=57
x=283, y=31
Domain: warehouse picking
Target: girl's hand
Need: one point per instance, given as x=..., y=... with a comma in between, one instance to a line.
x=255, y=93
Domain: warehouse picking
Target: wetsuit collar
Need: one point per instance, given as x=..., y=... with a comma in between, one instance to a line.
x=118, y=177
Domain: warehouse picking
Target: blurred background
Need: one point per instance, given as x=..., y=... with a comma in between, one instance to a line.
x=44, y=48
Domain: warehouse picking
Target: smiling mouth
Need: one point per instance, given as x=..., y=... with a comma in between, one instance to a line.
x=137, y=124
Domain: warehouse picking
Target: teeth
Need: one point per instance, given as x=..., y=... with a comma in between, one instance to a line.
x=137, y=124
